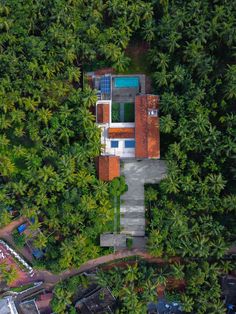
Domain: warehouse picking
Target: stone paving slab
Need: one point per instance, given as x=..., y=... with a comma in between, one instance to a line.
x=132, y=221
x=124, y=208
x=134, y=233
x=137, y=173
x=139, y=242
x=133, y=203
x=132, y=215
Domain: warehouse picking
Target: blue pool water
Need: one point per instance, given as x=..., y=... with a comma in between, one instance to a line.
x=126, y=82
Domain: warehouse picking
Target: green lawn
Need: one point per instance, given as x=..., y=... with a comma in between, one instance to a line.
x=115, y=112
x=116, y=206
x=129, y=112
x=139, y=59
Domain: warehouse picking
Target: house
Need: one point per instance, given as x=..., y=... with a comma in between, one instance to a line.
x=100, y=300
x=228, y=284
x=9, y=306
x=30, y=237
x=129, y=121
x=27, y=307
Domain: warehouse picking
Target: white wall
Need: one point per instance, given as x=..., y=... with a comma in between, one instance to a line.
x=121, y=150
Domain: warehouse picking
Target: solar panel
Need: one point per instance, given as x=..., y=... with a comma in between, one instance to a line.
x=105, y=84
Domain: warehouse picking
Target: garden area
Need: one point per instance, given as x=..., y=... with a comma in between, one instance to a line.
x=123, y=112
x=117, y=188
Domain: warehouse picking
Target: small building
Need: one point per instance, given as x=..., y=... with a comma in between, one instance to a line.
x=30, y=237
x=28, y=307
x=108, y=167
x=99, y=301
x=113, y=240
x=8, y=306
x=228, y=284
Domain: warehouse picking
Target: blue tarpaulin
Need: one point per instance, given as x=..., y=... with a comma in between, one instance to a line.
x=37, y=253
x=105, y=85
x=21, y=228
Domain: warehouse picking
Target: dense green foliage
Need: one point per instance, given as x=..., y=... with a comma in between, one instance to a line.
x=7, y=273
x=48, y=137
x=194, y=73
x=195, y=286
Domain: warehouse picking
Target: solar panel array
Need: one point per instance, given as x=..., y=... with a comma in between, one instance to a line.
x=105, y=85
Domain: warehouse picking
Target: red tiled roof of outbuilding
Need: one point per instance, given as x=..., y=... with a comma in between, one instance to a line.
x=147, y=134
x=104, y=71
x=108, y=167
x=121, y=132
x=103, y=113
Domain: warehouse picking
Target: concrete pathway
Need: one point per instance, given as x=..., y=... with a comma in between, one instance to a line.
x=137, y=173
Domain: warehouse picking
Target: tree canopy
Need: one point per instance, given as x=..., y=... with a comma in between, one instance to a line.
x=194, y=73
x=48, y=137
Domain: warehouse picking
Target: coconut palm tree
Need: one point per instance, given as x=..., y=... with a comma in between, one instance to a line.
x=187, y=303
x=40, y=242
x=177, y=270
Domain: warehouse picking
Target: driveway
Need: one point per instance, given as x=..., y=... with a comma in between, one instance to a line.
x=137, y=173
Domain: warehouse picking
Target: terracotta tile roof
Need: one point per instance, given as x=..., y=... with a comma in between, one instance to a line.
x=104, y=71
x=103, y=113
x=108, y=167
x=121, y=132
x=147, y=135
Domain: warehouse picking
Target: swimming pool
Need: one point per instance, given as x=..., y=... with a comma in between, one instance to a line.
x=126, y=82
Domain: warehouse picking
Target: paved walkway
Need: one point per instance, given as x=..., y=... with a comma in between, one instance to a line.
x=137, y=173
x=51, y=279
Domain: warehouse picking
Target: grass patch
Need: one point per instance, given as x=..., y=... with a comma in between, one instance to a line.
x=22, y=288
x=129, y=243
x=115, y=112
x=129, y=112
x=19, y=239
x=139, y=60
x=116, y=206
x=118, y=214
